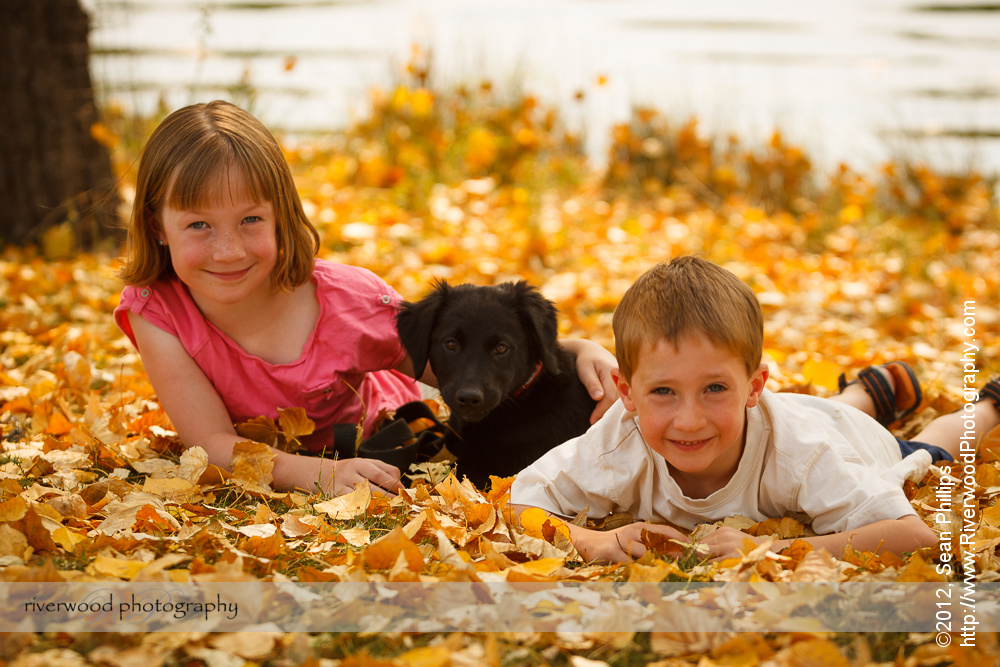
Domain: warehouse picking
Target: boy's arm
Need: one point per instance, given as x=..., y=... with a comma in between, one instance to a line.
x=594, y=365
x=907, y=533
x=201, y=419
x=617, y=546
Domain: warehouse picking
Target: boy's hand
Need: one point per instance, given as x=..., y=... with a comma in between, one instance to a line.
x=619, y=545
x=727, y=542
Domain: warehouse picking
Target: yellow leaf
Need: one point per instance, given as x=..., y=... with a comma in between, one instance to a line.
x=543, y=567
x=991, y=516
x=536, y=523
x=422, y=102
x=12, y=542
x=66, y=538
x=822, y=372
x=356, y=537
x=120, y=568
x=349, y=505
x=482, y=150
x=170, y=488
x=13, y=509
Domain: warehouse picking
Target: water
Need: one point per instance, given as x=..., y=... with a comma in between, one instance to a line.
x=852, y=81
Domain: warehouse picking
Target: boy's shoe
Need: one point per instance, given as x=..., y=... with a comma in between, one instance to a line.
x=992, y=391
x=891, y=406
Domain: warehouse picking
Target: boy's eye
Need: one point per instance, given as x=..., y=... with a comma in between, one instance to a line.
x=662, y=391
x=716, y=388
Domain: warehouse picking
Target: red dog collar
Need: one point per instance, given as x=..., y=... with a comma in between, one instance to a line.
x=531, y=380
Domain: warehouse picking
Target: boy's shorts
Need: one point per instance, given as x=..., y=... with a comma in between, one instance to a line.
x=907, y=447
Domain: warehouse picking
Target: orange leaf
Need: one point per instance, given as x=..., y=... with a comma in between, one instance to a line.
x=989, y=446
x=265, y=547
x=783, y=528
x=797, y=550
x=58, y=424
x=498, y=487
x=31, y=527
x=253, y=462
x=816, y=652
x=149, y=521
x=295, y=423
x=260, y=429
x=662, y=544
x=20, y=405
x=384, y=552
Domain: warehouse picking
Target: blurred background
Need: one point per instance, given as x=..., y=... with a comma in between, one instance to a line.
x=855, y=81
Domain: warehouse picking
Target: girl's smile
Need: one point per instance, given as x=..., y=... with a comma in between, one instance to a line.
x=224, y=249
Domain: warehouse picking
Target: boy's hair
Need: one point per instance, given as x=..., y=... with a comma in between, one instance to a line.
x=188, y=158
x=688, y=295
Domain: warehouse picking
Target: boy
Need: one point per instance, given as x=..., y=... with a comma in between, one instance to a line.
x=697, y=438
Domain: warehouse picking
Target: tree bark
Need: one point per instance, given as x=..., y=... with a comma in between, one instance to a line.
x=51, y=169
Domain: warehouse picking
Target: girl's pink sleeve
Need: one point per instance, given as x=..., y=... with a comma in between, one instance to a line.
x=141, y=301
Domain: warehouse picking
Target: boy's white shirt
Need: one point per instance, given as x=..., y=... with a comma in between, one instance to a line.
x=803, y=454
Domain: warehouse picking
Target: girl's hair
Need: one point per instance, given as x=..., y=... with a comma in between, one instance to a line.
x=688, y=296
x=186, y=164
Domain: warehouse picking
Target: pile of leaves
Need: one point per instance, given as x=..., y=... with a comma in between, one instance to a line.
x=468, y=186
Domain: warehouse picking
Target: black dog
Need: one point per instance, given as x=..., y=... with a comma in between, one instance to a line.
x=513, y=391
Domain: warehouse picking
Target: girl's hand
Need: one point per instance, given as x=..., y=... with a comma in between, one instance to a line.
x=350, y=472
x=341, y=476
x=595, y=366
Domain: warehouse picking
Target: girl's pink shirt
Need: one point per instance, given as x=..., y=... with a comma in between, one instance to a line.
x=354, y=344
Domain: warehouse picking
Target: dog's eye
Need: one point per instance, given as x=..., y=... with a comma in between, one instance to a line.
x=501, y=348
x=451, y=344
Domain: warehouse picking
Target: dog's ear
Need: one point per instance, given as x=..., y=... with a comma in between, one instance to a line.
x=415, y=322
x=539, y=317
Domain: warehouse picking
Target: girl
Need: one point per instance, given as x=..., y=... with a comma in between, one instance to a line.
x=235, y=317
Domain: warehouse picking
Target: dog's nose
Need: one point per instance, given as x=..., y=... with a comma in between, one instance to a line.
x=469, y=398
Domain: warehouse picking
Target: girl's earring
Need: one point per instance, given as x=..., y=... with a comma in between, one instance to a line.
x=161, y=242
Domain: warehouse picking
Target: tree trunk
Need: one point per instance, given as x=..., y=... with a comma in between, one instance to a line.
x=51, y=169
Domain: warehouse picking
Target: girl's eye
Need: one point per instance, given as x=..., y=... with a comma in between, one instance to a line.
x=501, y=348
x=252, y=218
x=200, y=224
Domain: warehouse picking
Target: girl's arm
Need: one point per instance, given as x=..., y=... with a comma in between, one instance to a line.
x=594, y=365
x=406, y=368
x=907, y=533
x=201, y=419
